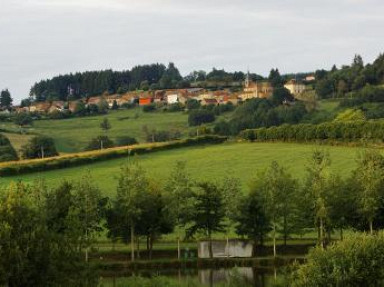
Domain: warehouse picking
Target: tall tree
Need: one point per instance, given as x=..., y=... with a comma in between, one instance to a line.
x=179, y=188
x=369, y=176
x=105, y=127
x=5, y=99
x=209, y=212
x=133, y=184
x=316, y=190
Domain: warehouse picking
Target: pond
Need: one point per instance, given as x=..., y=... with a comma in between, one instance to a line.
x=237, y=276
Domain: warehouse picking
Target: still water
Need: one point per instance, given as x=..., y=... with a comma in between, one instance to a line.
x=239, y=276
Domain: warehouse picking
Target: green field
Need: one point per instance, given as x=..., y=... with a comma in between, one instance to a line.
x=241, y=160
x=73, y=135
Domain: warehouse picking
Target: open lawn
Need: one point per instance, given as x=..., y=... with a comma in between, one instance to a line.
x=241, y=160
x=73, y=135
x=17, y=140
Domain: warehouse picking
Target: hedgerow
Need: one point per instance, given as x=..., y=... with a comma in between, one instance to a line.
x=353, y=131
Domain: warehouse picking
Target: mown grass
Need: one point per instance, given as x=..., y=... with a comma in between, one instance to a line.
x=241, y=160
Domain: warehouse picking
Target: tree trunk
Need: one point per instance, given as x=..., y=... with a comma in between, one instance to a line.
x=178, y=243
x=132, y=243
x=341, y=234
x=210, y=245
x=227, y=247
x=138, y=247
x=371, y=227
x=86, y=248
x=274, y=240
x=151, y=240
x=42, y=151
x=321, y=233
x=285, y=231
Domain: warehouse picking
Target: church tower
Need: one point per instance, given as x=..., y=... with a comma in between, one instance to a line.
x=247, y=80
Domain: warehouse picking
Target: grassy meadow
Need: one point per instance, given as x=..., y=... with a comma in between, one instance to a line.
x=73, y=135
x=241, y=160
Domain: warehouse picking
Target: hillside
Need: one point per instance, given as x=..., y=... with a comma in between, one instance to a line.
x=240, y=160
x=72, y=135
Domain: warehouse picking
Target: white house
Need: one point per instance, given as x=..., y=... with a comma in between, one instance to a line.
x=172, y=99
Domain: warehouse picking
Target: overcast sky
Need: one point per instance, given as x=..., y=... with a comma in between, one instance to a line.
x=43, y=38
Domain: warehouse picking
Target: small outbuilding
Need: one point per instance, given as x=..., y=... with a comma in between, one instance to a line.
x=221, y=248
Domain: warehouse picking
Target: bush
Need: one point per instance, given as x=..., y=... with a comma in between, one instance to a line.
x=125, y=141
x=177, y=107
x=39, y=147
x=198, y=117
x=356, y=261
x=100, y=142
x=149, y=108
x=7, y=152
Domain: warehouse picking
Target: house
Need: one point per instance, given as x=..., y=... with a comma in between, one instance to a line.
x=310, y=78
x=207, y=102
x=41, y=107
x=93, y=101
x=295, y=87
x=260, y=89
x=160, y=96
x=145, y=101
x=233, y=98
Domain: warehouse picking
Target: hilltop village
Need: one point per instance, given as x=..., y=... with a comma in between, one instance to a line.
x=251, y=89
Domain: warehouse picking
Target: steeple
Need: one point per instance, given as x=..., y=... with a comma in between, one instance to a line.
x=247, y=80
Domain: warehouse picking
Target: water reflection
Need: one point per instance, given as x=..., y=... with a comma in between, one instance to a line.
x=239, y=276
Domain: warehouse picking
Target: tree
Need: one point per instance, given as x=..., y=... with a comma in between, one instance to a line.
x=23, y=119
x=280, y=95
x=103, y=106
x=88, y=210
x=100, y=142
x=198, y=117
x=316, y=191
x=369, y=177
x=133, y=184
x=276, y=189
x=231, y=189
x=105, y=127
x=209, y=212
x=80, y=109
x=7, y=152
x=39, y=147
x=115, y=106
x=251, y=218
x=5, y=99
x=276, y=79
x=179, y=188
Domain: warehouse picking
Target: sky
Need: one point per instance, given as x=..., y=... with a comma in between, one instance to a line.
x=43, y=38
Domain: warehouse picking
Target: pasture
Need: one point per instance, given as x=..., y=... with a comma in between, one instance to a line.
x=211, y=163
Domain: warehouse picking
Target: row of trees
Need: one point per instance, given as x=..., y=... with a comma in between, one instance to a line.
x=336, y=130
x=339, y=82
x=45, y=233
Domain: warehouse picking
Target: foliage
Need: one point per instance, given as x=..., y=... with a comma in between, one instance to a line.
x=209, y=212
x=23, y=119
x=149, y=108
x=355, y=261
x=350, y=115
x=125, y=140
x=349, y=131
x=5, y=99
x=39, y=147
x=199, y=117
x=7, y=152
x=100, y=142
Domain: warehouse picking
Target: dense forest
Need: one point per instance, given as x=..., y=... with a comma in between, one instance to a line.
x=145, y=77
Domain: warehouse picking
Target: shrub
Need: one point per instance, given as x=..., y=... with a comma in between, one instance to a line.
x=177, y=107
x=198, y=117
x=39, y=147
x=149, y=108
x=7, y=152
x=356, y=261
x=100, y=142
x=125, y=140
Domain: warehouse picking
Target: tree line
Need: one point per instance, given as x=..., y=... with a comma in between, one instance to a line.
x=344, y=131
